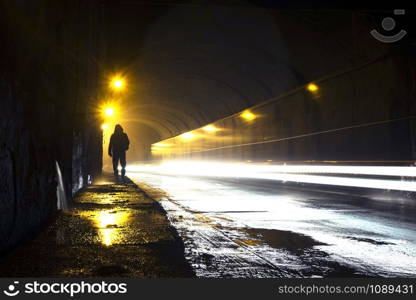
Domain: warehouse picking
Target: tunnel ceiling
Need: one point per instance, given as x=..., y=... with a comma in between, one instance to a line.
x=190, y=65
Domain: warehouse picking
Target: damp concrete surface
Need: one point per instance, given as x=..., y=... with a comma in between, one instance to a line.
x=112, y=229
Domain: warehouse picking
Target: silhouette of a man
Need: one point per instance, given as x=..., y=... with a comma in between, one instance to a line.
x=119, y=144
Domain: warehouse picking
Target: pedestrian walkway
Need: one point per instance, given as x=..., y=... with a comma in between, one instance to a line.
x=110, y=230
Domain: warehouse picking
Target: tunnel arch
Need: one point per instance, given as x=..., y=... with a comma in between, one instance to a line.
x=214, y=62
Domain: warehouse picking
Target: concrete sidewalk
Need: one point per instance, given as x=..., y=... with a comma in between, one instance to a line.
x=111, y=230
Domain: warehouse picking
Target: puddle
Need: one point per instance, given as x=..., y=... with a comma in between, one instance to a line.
x=108, y=224
x=279, y=239
x=371, y=241
x=247, y=242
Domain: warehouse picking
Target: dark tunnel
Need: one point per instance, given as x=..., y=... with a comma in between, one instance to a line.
x=188, y=65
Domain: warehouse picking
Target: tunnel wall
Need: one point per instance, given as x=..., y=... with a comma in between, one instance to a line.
x=45, y=90
x=366, y=113
x=199, y=64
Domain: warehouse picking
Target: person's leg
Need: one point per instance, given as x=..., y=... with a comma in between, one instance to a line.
x=123, y=163
x=115, y=164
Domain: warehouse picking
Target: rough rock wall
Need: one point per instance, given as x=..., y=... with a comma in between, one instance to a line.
x=41, y=101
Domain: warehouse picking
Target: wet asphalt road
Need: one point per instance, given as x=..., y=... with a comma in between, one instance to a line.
x=254, y=228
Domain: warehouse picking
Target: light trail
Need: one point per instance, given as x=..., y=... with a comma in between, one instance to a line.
x=292, y=173
x=359, y=234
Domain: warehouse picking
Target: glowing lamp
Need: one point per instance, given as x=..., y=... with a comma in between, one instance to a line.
x=210, y=128
x=117, y=83
x=312, y=87
x=248, y=115
x=187, y=135
x=109, y=111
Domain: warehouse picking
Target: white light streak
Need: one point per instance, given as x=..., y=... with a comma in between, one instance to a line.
x=317, y=174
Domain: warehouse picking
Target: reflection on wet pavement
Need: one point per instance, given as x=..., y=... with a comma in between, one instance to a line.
x=110, y=230
x=109, y=224
x=243, y=228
